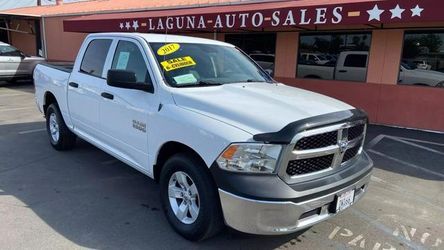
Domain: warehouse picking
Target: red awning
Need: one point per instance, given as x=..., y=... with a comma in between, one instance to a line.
x=263, y=15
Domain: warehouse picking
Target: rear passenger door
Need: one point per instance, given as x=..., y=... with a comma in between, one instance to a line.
x=125, y=113
x=352, y=68
x=85, y=85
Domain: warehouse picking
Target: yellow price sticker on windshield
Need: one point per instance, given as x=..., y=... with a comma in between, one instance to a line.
x=168, y=49
x=177, y=63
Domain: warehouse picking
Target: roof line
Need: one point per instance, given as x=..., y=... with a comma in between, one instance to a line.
x=241, y=2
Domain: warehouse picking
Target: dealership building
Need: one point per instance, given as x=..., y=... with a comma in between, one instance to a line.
x=384, y=56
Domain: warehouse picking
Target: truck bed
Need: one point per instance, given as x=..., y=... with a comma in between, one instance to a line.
x=67, y=67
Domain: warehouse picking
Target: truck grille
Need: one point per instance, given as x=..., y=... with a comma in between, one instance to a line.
x=317, y=141
x=355, y=132
x=325, y=148
x=350, y=153
x=305, y=166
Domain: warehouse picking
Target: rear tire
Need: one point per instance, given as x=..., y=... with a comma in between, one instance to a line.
x=202, y=200
x=60, y=137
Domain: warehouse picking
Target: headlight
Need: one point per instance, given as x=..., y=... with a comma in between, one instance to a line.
x=250, y=158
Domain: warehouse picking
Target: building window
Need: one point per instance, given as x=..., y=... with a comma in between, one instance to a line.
x=334, y=56
x=422, y=62
x=260, y=47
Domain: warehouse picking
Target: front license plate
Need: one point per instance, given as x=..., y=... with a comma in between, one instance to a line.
x=345, y=200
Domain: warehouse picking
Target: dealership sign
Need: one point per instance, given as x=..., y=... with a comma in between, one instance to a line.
x=209, y=19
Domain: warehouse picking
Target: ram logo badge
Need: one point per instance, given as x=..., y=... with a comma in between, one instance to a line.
x=139, y=126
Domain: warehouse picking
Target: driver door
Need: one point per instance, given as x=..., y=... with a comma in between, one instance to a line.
x=10, y=63
x=125, y=113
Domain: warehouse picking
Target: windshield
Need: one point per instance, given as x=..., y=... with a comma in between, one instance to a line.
x=191, y=65
x=409, y=66
x=7, y=50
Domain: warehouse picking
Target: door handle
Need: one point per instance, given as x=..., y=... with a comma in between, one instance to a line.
x=342, y=71
x=107, y=95
x=73, y=84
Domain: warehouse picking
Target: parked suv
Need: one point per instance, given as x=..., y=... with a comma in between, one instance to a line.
x=15, y=65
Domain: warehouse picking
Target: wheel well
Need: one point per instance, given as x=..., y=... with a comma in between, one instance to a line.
x=166, y=151
x=49, y=99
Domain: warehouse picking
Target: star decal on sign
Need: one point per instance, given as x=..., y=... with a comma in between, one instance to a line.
x=127, y=25
x=416, y=11
x=121, y=26
x=397, y=12
x=135, y=25
x=375, y=13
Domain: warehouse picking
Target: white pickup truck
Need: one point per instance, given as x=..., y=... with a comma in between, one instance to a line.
x=350, y=66
x=228, y=145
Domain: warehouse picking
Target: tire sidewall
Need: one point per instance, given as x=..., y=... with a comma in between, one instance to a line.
x=193, y=168
x=52, y=109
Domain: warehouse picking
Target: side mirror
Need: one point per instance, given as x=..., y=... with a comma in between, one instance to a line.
x=127, y=80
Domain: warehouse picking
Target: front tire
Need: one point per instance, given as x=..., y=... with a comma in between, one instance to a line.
x=60, y=137
x=189, y=198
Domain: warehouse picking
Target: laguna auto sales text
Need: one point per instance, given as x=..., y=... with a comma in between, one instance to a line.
x=247, y=20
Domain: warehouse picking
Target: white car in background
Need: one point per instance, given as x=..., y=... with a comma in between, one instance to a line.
x=15, y=65
x=409, y=75
x=314, y=57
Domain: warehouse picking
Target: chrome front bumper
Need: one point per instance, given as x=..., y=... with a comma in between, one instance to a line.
x=283, y=217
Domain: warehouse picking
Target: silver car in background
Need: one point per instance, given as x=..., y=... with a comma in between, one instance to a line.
x=15, y=65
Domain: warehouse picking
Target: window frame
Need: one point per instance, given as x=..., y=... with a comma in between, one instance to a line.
x=141, y=53
x=145, y=54
x=356, y=55
x=409, y=32
x=334, y=32
x=106, y=57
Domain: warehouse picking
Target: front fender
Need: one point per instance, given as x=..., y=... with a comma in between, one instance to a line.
x=205, y=135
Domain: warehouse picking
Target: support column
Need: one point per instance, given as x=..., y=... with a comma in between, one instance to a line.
x=385, y=56
x=287, y=44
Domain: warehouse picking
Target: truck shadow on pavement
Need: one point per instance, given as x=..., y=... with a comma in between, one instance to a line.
x=20, y=85
x=93, y=200
x=90, y=198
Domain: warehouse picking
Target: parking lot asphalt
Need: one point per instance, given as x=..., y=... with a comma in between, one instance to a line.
x=85, y=198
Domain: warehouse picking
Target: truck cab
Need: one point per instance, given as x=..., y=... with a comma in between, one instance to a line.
x=227, y=144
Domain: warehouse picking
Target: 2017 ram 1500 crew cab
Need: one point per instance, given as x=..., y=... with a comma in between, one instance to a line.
x=227, y=143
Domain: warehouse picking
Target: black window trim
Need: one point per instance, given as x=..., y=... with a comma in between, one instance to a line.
x=83, y=58
x=145, y=59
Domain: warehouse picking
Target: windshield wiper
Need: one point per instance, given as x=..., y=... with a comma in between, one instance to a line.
x=199, y=84
x=253, y=80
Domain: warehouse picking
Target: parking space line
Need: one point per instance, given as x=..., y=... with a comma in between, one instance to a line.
x=13, y=109
x=421, y=141
x=15, y=94
x=31, y=131
x=375, y=141
x=406, y=163
x=416, y=145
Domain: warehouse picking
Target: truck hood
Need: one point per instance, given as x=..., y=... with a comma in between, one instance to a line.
x=256, y=107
